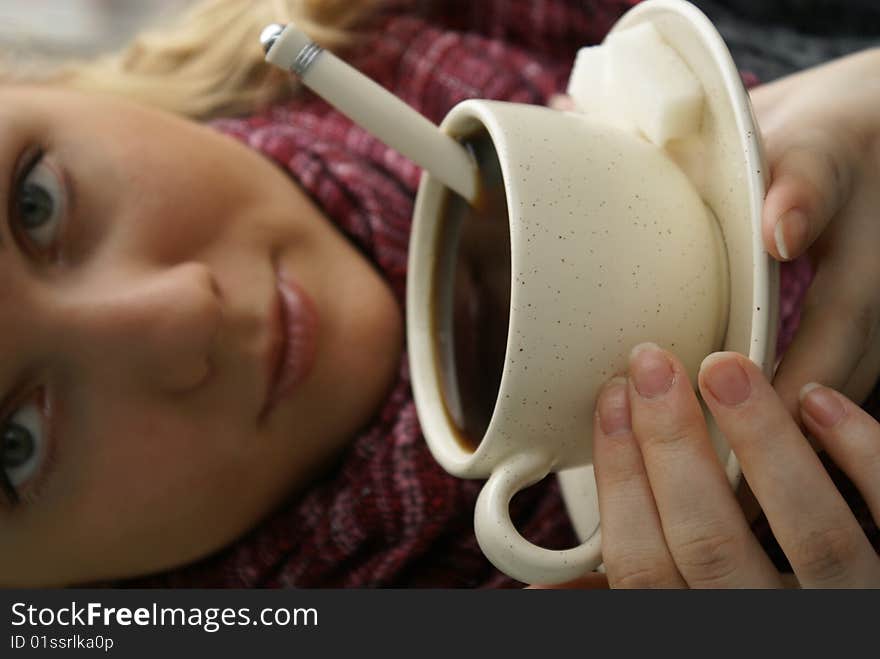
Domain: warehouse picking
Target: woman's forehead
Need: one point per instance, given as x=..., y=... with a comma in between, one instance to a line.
x=42, y=113
x=19, y=100
x=20, y=106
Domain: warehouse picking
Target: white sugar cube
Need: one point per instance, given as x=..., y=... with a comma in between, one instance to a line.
x=654, y=85
x=591, y=88
x=588, y=83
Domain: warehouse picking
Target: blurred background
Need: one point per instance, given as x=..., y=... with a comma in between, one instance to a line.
x=55, y=29
x=768, y=37
x=772, y=38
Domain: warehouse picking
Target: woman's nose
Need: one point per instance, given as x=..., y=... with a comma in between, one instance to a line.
x=158, y=329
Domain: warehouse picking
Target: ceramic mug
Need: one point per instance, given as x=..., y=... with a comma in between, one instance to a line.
x=586, y=241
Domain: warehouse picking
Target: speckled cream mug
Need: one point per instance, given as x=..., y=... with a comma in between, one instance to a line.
x=585, y=241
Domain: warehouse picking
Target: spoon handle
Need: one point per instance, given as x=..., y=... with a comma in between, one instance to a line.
x=373, y=108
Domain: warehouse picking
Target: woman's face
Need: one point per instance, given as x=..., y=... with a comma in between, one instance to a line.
x=184, y=338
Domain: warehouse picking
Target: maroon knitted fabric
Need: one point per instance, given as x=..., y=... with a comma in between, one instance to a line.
x=388, y=515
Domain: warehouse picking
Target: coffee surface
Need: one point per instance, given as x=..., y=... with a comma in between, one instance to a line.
x=472, y=298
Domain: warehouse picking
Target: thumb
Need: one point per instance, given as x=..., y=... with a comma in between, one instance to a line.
x=811, y=178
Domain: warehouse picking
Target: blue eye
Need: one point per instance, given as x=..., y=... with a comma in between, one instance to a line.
x=40, y=205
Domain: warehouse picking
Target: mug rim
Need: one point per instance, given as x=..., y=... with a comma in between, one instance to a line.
x=467, y=117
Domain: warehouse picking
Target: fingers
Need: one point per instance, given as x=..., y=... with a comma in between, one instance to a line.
x=837, y=332
x=706, y=532
x=849, y=435
x=822, y=149
x=665, y=503
x=826, y=348
x=813, y=524
x=668, y=514
x=836, y=341
x=633, y=546
x=818, y=128
x=811, y=178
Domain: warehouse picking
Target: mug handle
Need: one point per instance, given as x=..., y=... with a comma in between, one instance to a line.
x=506, y=548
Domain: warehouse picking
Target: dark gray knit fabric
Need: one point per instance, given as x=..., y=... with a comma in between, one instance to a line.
x=773, y=38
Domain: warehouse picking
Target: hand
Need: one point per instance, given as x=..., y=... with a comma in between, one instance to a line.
x=669, y=516
x=821, y=131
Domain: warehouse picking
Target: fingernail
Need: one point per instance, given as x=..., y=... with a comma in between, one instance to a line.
x=821, y=404
x=725, y=378
x=651, y=370
x=791, y=229
x=613, y=408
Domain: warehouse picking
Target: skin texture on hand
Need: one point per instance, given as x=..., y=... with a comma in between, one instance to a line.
x=821, y=129
x=669, y=517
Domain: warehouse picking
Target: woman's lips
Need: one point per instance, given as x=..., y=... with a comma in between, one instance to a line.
x=294, y=324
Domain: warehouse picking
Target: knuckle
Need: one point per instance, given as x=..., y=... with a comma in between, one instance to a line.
x=799, y=161
x=708, y=557
x=821, y=165
x=661, y=445
x=824, y=555
x=662, y=438
x=666, y=434
x=621, y=482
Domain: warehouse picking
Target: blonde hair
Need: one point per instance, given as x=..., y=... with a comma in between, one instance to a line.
x=209, y=62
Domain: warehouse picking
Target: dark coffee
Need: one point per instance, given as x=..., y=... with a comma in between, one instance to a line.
x=471, y=298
